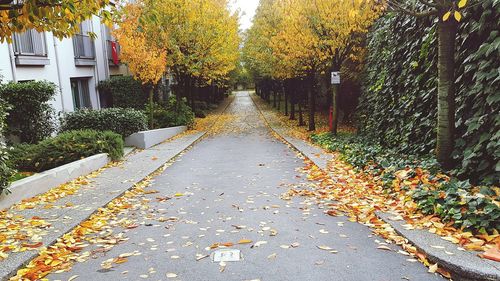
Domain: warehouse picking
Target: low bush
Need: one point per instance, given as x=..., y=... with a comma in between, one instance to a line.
x=124, y=92
x=468, y=207
x=30, y=117
x=171, y=114
x=119, y=120
x=65, y=148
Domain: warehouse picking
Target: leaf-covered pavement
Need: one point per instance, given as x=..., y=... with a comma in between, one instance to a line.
x=226, y=192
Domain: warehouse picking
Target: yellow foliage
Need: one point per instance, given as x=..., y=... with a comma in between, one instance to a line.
x=61, y=17
x=143, y=50
x=292, y=38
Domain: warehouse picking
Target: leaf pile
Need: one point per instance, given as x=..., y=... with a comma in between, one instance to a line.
x=476, y=209
x=18, y=233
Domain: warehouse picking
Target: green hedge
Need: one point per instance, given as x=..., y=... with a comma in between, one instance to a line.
x=398, y=106
x=462, y=204
x=5, y=170
x=171, y=115
x=65, y=148
x=124, y=92
x=30, y=117
x=119, y=120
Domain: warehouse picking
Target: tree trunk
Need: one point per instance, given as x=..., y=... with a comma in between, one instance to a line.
x=274, y=99
x=301, y=116
x=151, y=109
x=278, y=104
x=311, y=107
x=446, y=91
x=286, y=98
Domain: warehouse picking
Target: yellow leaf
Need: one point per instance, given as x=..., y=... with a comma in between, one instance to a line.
x=462, y=3
x=457, y=16
x=433, y=268
x=244, y=241
x=446, y=16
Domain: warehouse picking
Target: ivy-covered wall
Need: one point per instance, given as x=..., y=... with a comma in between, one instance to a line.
x=398, y=105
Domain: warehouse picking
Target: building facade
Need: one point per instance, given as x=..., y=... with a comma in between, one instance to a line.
x=75, y=65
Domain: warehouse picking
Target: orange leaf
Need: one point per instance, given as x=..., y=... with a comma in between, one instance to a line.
x=245, y=241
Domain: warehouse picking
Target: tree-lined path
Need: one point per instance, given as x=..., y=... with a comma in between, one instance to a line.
x=226, y=189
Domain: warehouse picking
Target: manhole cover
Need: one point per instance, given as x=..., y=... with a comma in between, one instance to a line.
x=227, y=255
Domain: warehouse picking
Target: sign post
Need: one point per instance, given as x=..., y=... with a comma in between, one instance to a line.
x=334, y=110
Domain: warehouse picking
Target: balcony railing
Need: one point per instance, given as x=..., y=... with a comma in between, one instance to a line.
x=109, y=44
x=30, y=43
x=83, y=47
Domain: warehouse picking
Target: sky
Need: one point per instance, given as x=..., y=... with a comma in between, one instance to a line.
x=247, y=8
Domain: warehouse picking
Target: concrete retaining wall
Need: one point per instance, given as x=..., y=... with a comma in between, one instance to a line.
x=42, y=182
x=147, y=139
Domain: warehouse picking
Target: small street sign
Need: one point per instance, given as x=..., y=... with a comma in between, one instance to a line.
x=335, y=78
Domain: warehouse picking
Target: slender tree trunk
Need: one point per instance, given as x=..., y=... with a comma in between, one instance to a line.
x=278, y=104
x=286, y=98
x=151, y=111
x=274, y=99
x=446, y=92
x=301, y=116
x=311, y=106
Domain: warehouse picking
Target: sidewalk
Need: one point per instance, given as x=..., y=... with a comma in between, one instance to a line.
x=463, y=265
x=47, y=221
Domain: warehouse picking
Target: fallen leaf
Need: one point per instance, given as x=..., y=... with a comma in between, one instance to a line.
x=171, y=275
x=326, y=248
x=383, y=247
x=433, y=268
x=245, y=241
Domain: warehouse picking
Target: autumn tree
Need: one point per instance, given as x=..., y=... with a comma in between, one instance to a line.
x=61, y=17
x=203, y=42
x=143, y=47
x=448, y=13
x=339, y=27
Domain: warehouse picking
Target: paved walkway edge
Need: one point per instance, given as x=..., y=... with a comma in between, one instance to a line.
x=9, y=270
x=466, y=267
x=44, y=181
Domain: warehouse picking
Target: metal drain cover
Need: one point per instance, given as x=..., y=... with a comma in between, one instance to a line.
x=227, y=255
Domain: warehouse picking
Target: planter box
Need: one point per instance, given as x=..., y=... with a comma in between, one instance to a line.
x=44, y=181
x=147, y=139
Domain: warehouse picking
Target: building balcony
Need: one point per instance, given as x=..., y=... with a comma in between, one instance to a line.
x=113, y=56
x=84, y=50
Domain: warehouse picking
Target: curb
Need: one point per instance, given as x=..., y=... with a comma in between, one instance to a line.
x=44, y=181
x=463, y=266
x=22, y=261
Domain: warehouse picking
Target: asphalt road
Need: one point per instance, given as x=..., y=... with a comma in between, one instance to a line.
x=231, y=184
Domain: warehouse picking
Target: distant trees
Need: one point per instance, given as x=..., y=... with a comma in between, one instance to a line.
x=301, y=40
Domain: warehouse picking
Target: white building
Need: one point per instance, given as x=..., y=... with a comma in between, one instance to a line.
x=75, y=65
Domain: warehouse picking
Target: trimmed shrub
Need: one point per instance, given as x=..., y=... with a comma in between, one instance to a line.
x=30, y=117
x=124, y=92
x=171, y=115
x=65, y=148
x=5, y=170
x=123, y=121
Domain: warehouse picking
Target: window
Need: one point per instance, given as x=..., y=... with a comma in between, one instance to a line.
x=31, y=43
x=113, y=48
x=83, y=44
x=30, y=48
x=81, y=93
